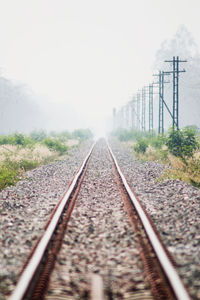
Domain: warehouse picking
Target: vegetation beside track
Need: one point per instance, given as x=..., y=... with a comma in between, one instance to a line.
x=180, y=149
x=20, y=152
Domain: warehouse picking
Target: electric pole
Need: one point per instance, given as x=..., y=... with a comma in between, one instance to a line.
x=133, y=113
x=151, y=108
x=138, y=111
x=143, y=109
x=175, y=73
x=127, y=116
x=162, y=102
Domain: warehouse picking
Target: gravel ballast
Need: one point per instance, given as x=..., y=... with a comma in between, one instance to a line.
x=174, y=207
x=99, y=240
x=25, y=208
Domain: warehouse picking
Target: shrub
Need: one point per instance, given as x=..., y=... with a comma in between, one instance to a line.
x=82, y=134
x=65, y=135
x=5, y=140
x=190, y=141
x=28, y=164
x=125, y=135
x=19, y=139
x=7, y=177
x=141, y=146
x=195, y=172
x=55, y=145
x=10, y=164
x=158, y=141
x=38, y=135
x=182, y=143
x=10, y=170
x=16, y=139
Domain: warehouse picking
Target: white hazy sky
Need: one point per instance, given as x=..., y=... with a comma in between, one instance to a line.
x=92, y=54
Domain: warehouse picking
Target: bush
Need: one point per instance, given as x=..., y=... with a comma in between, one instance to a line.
x=55, y=145
x=19, y=139
x=7, y=177
x=5, y=140
x=65, y=135
x=141, y=146
x=16, y=139
x=10, y=170
x=28, y=164
x=82, y=134
x=190, y=141
x=125, y=135
x=10, y=164
x=158, y=141
x=195, y=172
x=182, y=143
x=38, y=135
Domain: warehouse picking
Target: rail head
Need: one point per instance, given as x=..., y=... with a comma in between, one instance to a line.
x=168, y=268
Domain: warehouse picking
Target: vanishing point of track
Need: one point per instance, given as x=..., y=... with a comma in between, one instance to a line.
x=161, y=273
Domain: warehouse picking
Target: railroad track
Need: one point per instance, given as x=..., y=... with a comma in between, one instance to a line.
x=102, y=251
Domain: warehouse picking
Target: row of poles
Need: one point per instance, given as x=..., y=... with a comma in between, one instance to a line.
x=134, y=114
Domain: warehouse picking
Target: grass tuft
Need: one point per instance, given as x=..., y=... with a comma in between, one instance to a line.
x=7, y=177
x=20, y=153
x=178, y=148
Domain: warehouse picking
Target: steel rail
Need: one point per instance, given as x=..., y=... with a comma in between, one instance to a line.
x=29, y=271
x=169, y=270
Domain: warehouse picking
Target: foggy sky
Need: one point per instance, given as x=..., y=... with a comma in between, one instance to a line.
x=89, y=55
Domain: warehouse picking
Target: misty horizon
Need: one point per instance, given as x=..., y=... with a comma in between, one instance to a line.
x=75, y=64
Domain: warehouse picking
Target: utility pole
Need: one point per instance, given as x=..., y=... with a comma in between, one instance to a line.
x=175, y=73
x=127, y=116
x=146, y=89
x=162, y=102
x=133, y=112
x=161, y=110
x=151, y=108
x=143, y=109
x=138, y=111
x=121, y=117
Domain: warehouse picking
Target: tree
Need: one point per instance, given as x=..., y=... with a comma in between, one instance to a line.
x=184, y=46
x=182, y=143
x=18, y=109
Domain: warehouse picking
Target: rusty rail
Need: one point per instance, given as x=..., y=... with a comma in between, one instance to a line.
x=68, y=200
x=33, y=264
x=167, y=266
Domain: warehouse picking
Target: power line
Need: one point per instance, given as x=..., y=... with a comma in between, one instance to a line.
x=133, y=115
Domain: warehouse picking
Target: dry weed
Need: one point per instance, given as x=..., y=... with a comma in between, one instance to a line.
x=72, y=142
x=176, y=162
x=16, y=153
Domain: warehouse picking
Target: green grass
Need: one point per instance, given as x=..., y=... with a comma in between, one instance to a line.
x=17, y=139
x=82, y=134
x=178, y=148
x=11, y=171
x=189, y=172
x=21, y=156
x=7, y=177
x=55, y=145
x=26, y=165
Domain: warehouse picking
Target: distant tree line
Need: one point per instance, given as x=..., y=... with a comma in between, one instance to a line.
x=18, y=108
